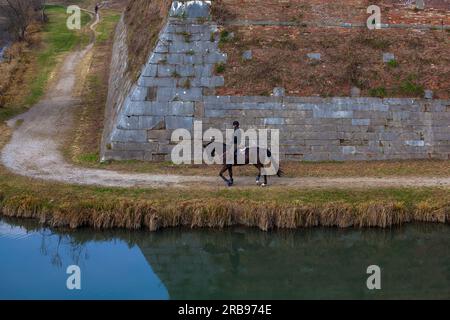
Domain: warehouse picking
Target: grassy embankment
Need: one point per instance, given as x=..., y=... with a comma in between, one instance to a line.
x=65, y=205
x=39, y=62
x=76, y=206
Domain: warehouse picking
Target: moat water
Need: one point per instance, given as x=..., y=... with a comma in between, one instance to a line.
x=238, y=263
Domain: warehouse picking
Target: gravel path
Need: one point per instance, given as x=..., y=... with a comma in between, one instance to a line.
x=35, y=150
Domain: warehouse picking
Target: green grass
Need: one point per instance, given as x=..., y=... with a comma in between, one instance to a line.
x=89, y=158
x=224, y=36
x=408, y=87
x=106, y=26
x=379, y=92
x=392, y=64
x=57, y=39
x=220, y=68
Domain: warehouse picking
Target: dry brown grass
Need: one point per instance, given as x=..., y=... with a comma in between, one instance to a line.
x=354, y=11
x=350, y=57
x=17, y=70
x=89, y=115
x=220, y=213
x=144, y=20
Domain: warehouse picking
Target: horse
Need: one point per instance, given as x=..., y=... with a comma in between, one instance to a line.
x=246, y=155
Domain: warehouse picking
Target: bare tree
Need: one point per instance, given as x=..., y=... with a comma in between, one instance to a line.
x=21, y=13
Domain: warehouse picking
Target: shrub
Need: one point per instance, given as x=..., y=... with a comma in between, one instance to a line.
x=378, y=92
x=220, y=68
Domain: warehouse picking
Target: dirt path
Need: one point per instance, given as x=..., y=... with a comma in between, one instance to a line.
x=38, y=135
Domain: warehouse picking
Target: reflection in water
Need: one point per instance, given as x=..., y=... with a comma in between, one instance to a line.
x=219, y=264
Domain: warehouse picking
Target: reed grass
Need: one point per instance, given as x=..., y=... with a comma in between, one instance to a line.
x=219, y=213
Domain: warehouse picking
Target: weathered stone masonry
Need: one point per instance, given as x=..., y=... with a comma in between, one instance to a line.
x=176, y=88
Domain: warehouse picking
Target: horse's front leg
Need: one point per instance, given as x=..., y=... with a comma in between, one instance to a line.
x=224, y=168
x=258, y=177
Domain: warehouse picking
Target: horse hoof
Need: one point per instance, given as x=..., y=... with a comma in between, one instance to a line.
x=257, y=182
x=230, y=184
x=263, y=185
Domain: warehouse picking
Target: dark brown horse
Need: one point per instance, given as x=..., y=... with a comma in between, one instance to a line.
x=260, y=163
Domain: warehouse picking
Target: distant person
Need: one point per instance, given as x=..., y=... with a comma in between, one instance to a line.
x=96, y=9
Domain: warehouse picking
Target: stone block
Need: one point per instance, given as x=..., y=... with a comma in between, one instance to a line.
x=149, y=122
x=175, y=122
x=247, y=55
x=132, y=146
x=159, y=135
x=161, y=47
x=326, y=113
x=193, y=59
x=212, y=82
x=210, y=100
x=203, y=71
x=185, y=70
x=166, y=94
x=166, y=70
x=181, y=108
x=215, y=57
x=180, y=47
x=279, y=92
x=150, y=70
x=355, y=92
x=120, y=135
x=191, y=94
x=157, y=58
x=157, y=82
x=314, y=56
x=175, y=58
x=128, y=122
x=348, y=149
x=199, y=109
x=147, y=108
x=138, y=93
x=387, y=57
x=415, y=143
x=360, y=122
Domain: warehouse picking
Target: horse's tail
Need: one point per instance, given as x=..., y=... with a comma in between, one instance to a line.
x=280, y=172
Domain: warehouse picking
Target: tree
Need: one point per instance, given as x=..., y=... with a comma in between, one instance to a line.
x=21, y=13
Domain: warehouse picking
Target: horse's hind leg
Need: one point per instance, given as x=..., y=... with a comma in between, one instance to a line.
x=230, y=173
x=265, y=181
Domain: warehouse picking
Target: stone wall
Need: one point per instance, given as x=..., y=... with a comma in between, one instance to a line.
x=119, y=87
x=176, y=88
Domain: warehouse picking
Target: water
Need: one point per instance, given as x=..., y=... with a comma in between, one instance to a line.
x=2, y=50
x=221, y=264
x=3, y=47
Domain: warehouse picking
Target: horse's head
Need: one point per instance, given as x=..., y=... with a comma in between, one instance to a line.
x=206, y=144
x=211, y=146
